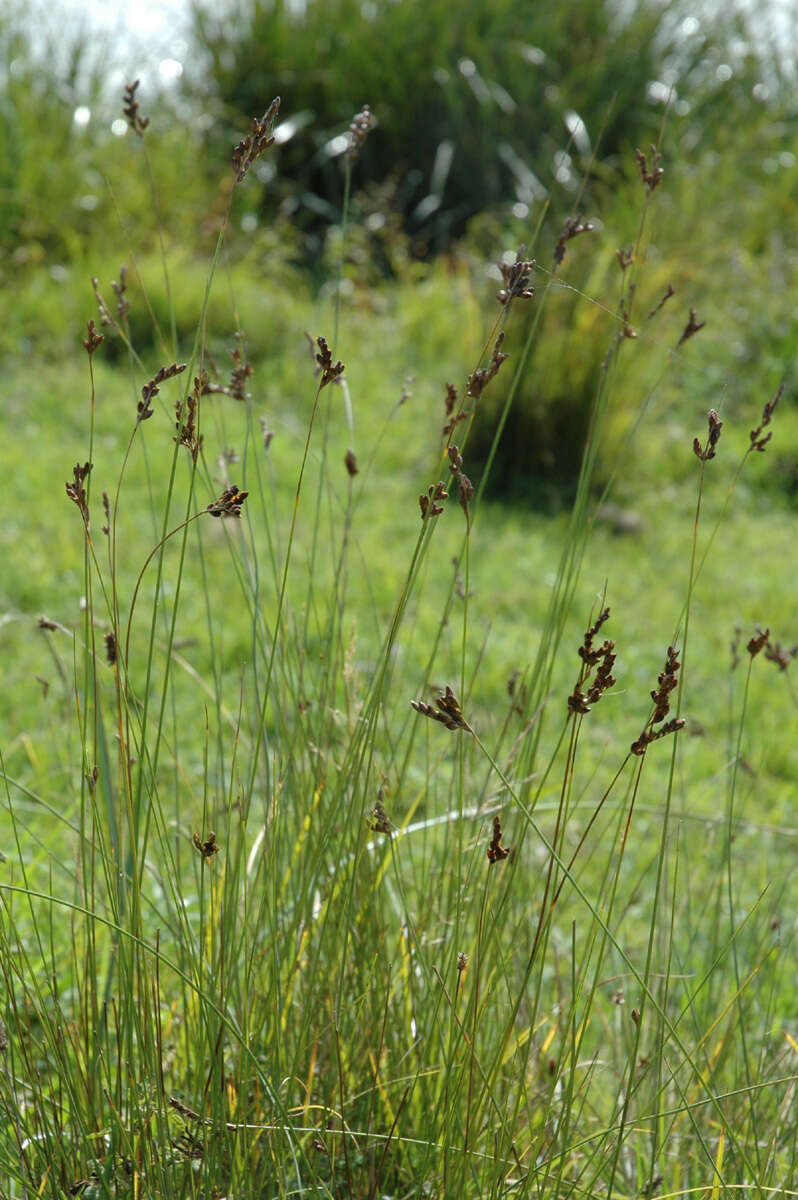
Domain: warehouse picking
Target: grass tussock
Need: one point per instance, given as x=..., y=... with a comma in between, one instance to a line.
x=298, y=897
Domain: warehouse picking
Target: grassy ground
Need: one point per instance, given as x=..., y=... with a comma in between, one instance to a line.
x=284, y=915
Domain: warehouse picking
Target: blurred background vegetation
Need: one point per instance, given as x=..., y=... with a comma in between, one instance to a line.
x=492, y=129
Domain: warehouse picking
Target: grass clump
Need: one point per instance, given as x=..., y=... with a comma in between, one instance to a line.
x=300, y=896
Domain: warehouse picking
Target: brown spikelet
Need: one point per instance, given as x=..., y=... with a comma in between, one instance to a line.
x=93, y=339
x=135, y=120
x=757, y=441
x=378, y=822
x=650, y=175
x=602, y=658
x=517, y=277
x=429, y=503
x=229, y=503
x=330, y=371
x=187, y=417
x=250, y=148
x=666, y=684
x=76, y=490
x=360, y=126
x=110, y=649
x=496, y=851
x=704, y=453
x=448, y=712
x=208, y=847
x=692, y=327
x=480, y=379
x=151, y=389
x=573, y=227
x=669, y=291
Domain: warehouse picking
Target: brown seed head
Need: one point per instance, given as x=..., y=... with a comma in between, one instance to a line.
x=93, y=339
x=480, y=379
x=361, y=125
x=448, y=712
x=131, y=109
x=651, y=176
x=430, y=503
x=151, y=389
x=207, y=848
x=573, y=227
x=708, y=451
x=259, y=139
x=517, y=277
x=76, y=490
x=110, y=649
x=330, y=371
x=758, y=642
x=668, y=293
x=229, y=503
x=757, y=441
x=692, y=327
x=496, y=851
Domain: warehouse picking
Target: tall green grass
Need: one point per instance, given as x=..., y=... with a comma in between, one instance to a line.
x=261, y=937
